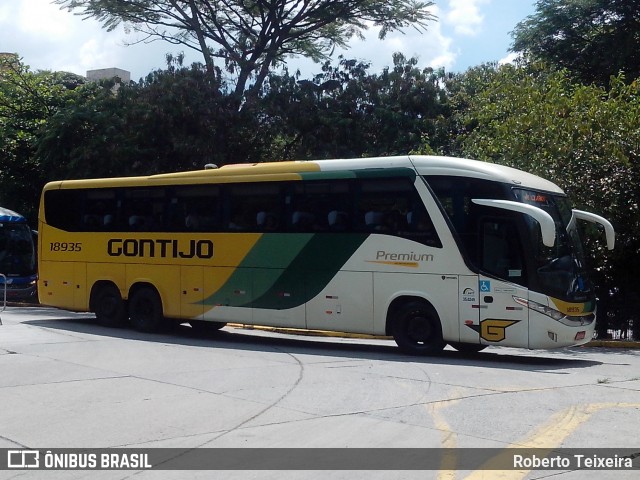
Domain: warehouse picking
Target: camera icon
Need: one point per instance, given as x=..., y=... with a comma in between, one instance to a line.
x=23, y=459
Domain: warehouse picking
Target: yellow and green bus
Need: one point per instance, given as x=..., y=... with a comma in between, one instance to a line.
x=429, y=250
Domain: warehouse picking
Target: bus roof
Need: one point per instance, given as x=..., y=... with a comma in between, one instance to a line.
x=295, y=170
x=448, y=166
x=9, y=216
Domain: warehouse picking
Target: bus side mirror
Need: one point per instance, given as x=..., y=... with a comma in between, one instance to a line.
x=547, y=225
x=593, y=218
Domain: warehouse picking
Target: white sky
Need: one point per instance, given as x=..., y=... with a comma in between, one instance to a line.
x=468, y=33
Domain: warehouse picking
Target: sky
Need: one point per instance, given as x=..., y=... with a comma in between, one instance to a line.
x=467, y=33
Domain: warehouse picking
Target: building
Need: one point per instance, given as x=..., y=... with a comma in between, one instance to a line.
x=121, y=76
x=8, y=58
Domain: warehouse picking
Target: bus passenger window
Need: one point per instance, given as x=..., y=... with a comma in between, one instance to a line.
x=302, y=221
x=267, y=221
x=338, y=221
x=199, y=219
x=318, y=206
x=501, y=254
x=194, y=208
x=99, y=208
x=374, y=220
x=254, y=207
x=391, y=206
x=420, y=227
x=144, y=209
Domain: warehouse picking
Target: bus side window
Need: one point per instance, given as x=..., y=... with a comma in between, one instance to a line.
x=338, y=221
x=392, y=206
x=303, y=221
x=321, y=206
x=420, y=227
x=200, y=217
x=255, y=207
x=176, y=214
x=382, y=205
x=193, y=208
x=501, y=253
x=62, y=209
x=98, y=207
x=267, y=221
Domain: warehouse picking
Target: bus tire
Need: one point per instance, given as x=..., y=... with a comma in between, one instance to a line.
x=145, y=310
x=108, y=305
x=204, y=326
x=468, y=347
x=416, y=329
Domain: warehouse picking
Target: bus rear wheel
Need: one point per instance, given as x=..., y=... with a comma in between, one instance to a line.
x=145, y=310
x=107, y=304
x=416, y=329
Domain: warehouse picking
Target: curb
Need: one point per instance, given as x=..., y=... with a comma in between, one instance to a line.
x=323, y=333
x=613, y=344
x=308, y=333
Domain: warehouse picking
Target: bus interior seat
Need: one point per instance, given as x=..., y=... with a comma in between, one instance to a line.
x=92, y=222
x=140, y=223
x=266, y=221
x=302, y=220
x=374, y=220
x=338, y=220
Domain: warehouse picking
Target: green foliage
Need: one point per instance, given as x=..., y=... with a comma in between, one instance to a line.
x=27, y=101
x=584, y=138
x=183, y=118
x=575, y=135
x=347, y=112
x=250, y=38
x=593, y=39
x=174, y=120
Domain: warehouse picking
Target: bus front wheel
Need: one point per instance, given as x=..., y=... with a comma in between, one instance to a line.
x=107, y=304
x=145, y=310
x=468, y=347
x=417, y=330
x=206, y=326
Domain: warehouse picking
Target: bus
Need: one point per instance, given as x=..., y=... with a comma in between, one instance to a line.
x=428, y=250
x=17, y=257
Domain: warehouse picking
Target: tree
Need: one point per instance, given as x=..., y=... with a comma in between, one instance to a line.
x=345, y=111
x=250, y=37
x=595, y=39
x=582, y=137
x=174, y=120
x=27, y=101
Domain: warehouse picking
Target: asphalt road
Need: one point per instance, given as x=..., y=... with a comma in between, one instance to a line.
x=66, y=382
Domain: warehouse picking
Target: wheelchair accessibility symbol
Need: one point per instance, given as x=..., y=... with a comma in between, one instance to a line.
x=485, y=286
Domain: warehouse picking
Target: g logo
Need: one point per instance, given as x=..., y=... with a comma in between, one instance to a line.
x=494, y=330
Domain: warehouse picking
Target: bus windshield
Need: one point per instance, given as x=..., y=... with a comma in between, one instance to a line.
x=17, y=255
x=560, y=270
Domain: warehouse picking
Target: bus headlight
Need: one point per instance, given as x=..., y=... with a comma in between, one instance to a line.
x=558, y=316
x=540, y=308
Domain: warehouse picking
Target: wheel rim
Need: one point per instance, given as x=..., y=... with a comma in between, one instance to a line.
x=419, y=329
x=108, y=306
x=143, y=311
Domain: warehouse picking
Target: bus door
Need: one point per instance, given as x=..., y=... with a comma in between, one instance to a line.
x=502, y=321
